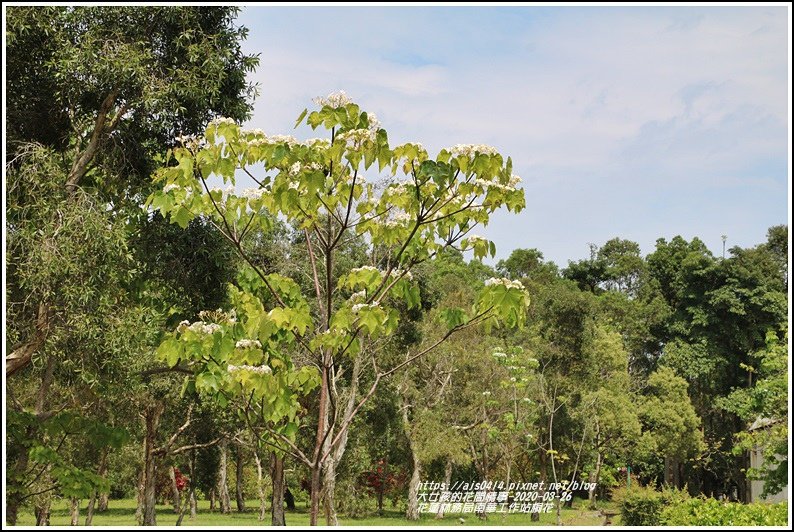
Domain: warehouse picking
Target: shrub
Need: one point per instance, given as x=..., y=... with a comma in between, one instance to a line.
x=643, y=506
x=711, y=512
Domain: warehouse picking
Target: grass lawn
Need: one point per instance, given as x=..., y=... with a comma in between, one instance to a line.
x=122, y=513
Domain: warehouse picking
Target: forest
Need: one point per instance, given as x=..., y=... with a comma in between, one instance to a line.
x=200, y=313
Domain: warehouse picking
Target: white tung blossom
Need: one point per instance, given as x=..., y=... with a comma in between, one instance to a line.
x=255, y=369
x=335, y=100
x=222, y=120
x=373, y=122
x=359, y=306
x=253, y=193
x=499, y=354
x=358, y=296
x=364, y=269
x=204, y=328
x=169, y=188
x=469, y=150
x=486, y=393
x=183, y=325
x=493, y=281
x=397, y=273
x=248, y=344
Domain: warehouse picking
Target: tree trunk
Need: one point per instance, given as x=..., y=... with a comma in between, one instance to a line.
x=314, y=496
x=277, y=478
x=192, y=492
x=141, y=489
x=223, y=488
x=412, y=513
x=74, y=511
x=152, y=422
x=447, y=485
x=322, y=418
x=260, y=486
x=329, y=486
x=212, y=499
x=591, y=495
x=102, y=505
x=42, y=512
x=174, y=490
x=238, y=484
x=89, y=513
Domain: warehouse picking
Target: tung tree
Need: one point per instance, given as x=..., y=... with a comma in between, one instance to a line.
x=326, y=189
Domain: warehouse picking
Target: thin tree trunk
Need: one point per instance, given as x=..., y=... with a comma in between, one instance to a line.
x=329, y=486
x=152, y=421
x=260, y=486
x=212, y=499
x=412, y=512
x=238, y=484
x=102, y=505
x=315, y=487
x=223, y=488
x=174, y=489
x=74, y=511
x=447, y=484
x=89, y=513
x=591, y=495
x=192, y=493
x=277, y=478
x=314, y=495
x=42, y=512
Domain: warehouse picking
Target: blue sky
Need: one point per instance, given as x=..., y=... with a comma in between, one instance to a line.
x=638, y=122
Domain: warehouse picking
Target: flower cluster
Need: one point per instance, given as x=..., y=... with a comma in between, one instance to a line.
x=505, y=282
x=399, y=219
x=358, y=296
x=335, y=99
x=169, y=188
x=289, y=140
x=359, y=306
x=258, y=132
x=248, y=344
x=364, y=269
x=297, y=167
x=199, y=327
x=499, y=354
x=253, y=193
x=469, y=150
x=397, y=273
x=494, y=183
x=255, y=369
x=222, y=120
x=373, y=122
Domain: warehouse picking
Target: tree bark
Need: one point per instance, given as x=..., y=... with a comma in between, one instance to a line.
x=174, y=490
x=260, y=486
x=238, y=484
x=315, y=486
x=192, y=493
x=412, y=513
x=74, y=511
x=447, y=484
x=102, y=505
x=152, y=423
x=89, y=513
x=42, y=512
x=212, y=499
x=591, y=495
x=277, y=478
x=329, y=487
x=223, y=488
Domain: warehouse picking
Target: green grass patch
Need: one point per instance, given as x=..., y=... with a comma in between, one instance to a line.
x=122, y=513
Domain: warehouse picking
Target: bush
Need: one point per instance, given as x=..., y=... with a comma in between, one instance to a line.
x=711, y=512
x=642, y=506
